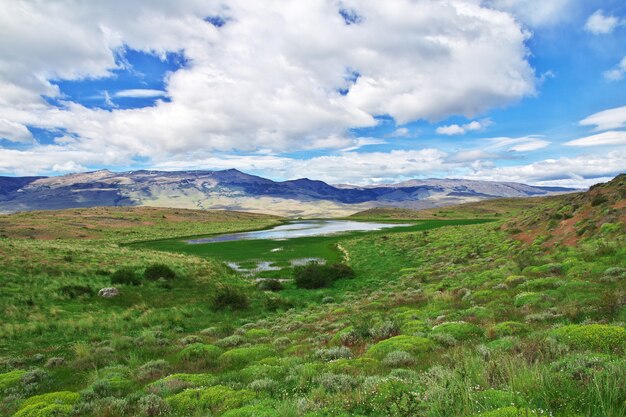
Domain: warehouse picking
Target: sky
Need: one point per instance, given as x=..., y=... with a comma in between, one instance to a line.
x=344, y=91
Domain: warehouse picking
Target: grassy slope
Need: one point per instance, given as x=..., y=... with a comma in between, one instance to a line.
x=488, y=209
x=478, y=307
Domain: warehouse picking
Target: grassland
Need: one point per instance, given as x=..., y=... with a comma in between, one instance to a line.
x=521, y=316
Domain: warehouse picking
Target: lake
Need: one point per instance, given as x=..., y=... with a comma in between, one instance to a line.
x=305, y=228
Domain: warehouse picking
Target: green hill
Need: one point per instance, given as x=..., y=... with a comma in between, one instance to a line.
x=520, y=316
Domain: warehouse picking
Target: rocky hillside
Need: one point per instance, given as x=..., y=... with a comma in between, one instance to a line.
x=570, y=218
x=235, y=190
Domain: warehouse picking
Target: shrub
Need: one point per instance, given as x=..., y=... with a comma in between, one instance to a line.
x=125, y=276
x=152, y=370
x=598, y=200
x=459, y=330
x=75, y=291
x=215, y=399
x=508, y=328
x=11, y=378
x=385, y=330
x=231, y=341
x=315, y=275
x=333, y=353
x=264, y=384
x=201, y=354
x=230, y=297
x=599, y=337
x=153, y=406
x=337, y=382
x=583, y=366
x=51, y=404
x=45, y=410
x=270, y=285
x=175, y=383
x=155, y=272
x=414, y=345
x=240, y=357
x=509, y=412
x=399, y=359
x=256, y=410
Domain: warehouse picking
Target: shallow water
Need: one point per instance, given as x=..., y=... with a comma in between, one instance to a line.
x=305, y=228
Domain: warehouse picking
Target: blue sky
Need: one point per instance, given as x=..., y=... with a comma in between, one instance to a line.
x=344, y=91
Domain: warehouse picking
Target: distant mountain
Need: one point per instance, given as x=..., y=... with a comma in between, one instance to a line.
x=234, y=190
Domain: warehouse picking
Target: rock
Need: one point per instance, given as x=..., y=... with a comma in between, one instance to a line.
x=108, y=292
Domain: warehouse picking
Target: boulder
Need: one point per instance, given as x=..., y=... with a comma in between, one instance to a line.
x=108, y=292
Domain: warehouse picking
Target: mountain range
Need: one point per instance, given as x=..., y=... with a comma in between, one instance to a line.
x=234, y=190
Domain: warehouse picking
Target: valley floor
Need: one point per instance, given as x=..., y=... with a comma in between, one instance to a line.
x=458, y=320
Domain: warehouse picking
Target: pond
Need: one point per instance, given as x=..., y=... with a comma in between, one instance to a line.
x=306, y=228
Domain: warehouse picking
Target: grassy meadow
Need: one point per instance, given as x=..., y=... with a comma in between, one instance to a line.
x=512, y=308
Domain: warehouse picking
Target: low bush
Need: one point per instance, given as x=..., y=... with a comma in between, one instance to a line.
x=399, y=359
x=75, y=291
x=10, y=379
x=201, y=354
x=125, y=276
x=214, y=399
x=315, y=275
x=459, y=330
x=240, y=357
x=50, y=404
x=508, y=328
x=598, y=337
x=509, y=412
x=229, y=297
x=414, y=345
x=270, y=285
x=159, y=271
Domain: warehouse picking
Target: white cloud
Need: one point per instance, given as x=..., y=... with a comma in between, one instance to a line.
x=269, y=78
x=614, y=118
x=578, y=171
x=523, y=144
x=450, y=130
x=610, y=138
x=14, y=132
x=617, y=73
x=534, y=12
x=140, y=93
x=400, y=132
x=455, y=129
x=600, y=24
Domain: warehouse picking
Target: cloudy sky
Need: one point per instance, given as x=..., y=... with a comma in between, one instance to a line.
x=346, y=91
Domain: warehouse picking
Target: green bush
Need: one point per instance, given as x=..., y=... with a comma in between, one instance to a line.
x=200, y=353
x=175, y=383
x=256, y=410
x=598, y=337
x=315, y=275
x=229, y=297
x=155, y=272
x=412, y=344
x=459, y=330
x=508, y=328
x=11, y=378
x=125, y=276
x=216, y=400
x=509, y=412
x=240, y=357
x=50, y=404
x=270, y=285
x=75, y=291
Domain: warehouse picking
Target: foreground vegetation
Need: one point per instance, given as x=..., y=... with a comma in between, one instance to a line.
x=523, y=316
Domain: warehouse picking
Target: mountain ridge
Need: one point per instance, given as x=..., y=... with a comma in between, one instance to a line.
x=232, y=189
